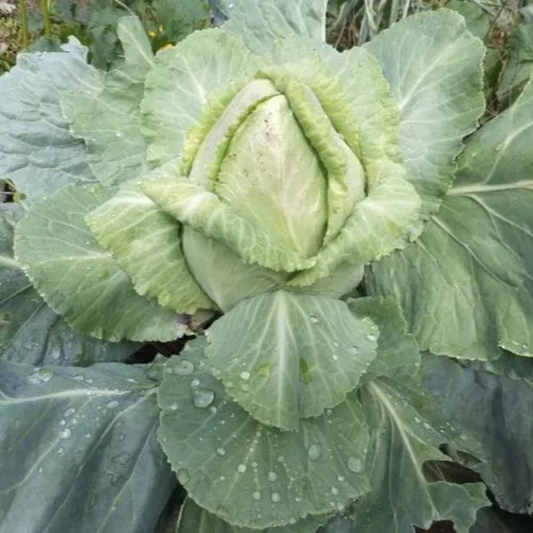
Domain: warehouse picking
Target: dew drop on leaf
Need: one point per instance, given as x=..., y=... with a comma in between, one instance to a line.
x=371, y=337
x=183, y=475
x=241, y=469
x=60, y=451
x=334, y=491
x=355, y=465
x=314, y=452
x=352, y=350
x=256, y=495
x=195, y=383
x=272, y=476
x=70, y=411
x=275, y=497
x=203, y=397
x=313, y=319
x=65, y=434
x=221, y=452
x=174, y=407
x=112, y=404
x=245, y=375
x=184, y=368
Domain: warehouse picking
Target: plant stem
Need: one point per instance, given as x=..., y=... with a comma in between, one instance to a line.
x=45, y=12
x=23, y=13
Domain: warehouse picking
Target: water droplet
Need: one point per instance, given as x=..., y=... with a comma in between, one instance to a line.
x=426, y=425
x=341, y=478
x=245, y=375
x=355, y=465
x=256, y=495
x=371, y=337
x=241, y=469
x=281, y=459
x=60, y=451
x=183, y=475
x=334, y=491
x=221, y=452
x=352, y=350
x=275, y=497
x=184, y=368
x=174, y=407
x=417, y=420
x=41, y=376
x=335, y=357
x=213, y=409
x=336, y=344
x=314, y=452
x=272, y=476
x=195, y=383
x=203, y=398
x=112, y=404
x=62, y=422
x=78, y=377
x=314, y=319
x=70, y=411
x=87, y=435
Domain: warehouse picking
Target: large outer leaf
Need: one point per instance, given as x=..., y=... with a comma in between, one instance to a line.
x=37, y=151
x=79, y=451
x=398, y=355
x=178, y=85
x=286, y=356
x=107, y=115
x=77, y=278
x=496, y=411
x=466, y=285
x=195, y=519
x=260, y=22
x=30, y=332
x=434, y=67
x=249, y=474
x=519, y=65
x=402, y=439
x=146, y=243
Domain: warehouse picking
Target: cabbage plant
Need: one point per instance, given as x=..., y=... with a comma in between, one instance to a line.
x=330, y=243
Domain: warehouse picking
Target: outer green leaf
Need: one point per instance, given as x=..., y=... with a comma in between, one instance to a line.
x=260, y=22
x=496, y=411
x=79, y=451
x=181, y=17
x=106, y=115
x=471, y=271
x=145, y=241
x=519, y=65
x=286, y=356
x=203, y=211
x=178, y=87
x=398, y=355
x=37, y=151
x=401, y=441
x=246, y=473
x=194, y=518
x=30, y=332
x=434, y=67
x=78, y=279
